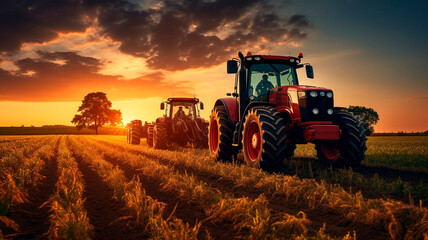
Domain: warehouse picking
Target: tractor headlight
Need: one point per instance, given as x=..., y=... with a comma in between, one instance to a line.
x=257, y=58
x=297, y=61
x=329, y=94
x=292, y=60
x=249, y=58
x=315, y=111
x=330, y=111
x=313, y=94
x=322, y=94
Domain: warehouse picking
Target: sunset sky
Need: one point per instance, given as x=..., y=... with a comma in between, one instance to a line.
x=54, y=52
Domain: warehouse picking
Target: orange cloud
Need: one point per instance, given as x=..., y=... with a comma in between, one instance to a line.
x=67, y=76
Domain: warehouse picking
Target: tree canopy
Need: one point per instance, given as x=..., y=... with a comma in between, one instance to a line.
x=367, y=116
x=95, y=112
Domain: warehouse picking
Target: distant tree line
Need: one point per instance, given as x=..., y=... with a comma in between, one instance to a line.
x=55, y=125
x=401, y=134
x=369, y=117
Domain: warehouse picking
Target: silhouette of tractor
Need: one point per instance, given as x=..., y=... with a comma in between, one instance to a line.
x=269, y=113
x=180, y=124
x=136, y=131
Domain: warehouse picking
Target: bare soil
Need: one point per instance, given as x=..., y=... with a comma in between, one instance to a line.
x=33, y=216
x=107, y=215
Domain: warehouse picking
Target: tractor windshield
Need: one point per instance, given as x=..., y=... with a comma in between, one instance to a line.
x=265, y=76
x=179, y=109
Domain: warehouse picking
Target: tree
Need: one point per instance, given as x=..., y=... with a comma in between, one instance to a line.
x=95, y=112
x=367, y=116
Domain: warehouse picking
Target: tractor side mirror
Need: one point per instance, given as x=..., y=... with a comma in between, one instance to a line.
x=162, y=106
x=232, y=66
x=201, y=105
x=309, y=71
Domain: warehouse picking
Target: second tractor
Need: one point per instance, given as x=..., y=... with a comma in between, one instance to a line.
x=180, y=124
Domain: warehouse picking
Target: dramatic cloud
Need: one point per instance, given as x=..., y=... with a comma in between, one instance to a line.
x=178, y=35
x=169, y=35
x=28, y=21
x=67, y=76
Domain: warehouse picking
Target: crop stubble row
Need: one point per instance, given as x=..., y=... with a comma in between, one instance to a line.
x=216, y=204
x=381, y=214
x=243, y=193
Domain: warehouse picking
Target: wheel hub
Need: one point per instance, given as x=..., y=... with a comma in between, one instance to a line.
x=254, y=140
x=213, y=136
x=331, y=150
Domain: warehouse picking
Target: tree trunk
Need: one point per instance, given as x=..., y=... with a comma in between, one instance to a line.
x=96, y=130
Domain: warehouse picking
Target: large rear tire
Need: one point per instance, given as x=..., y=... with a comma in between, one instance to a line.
x=263, y=139
x=159, y=136
x=220, y=135
x=135, y=136
x=349, y=151
x=150, y=136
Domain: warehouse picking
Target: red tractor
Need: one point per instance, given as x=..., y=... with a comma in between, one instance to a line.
x=180, y=124
x=136, y=130
x=269, y=113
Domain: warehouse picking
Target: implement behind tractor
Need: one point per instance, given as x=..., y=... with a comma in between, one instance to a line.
x=180, y=124
x=270, y=113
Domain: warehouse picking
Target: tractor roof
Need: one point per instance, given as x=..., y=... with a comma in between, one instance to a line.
x=182, y=99
x=273, y=57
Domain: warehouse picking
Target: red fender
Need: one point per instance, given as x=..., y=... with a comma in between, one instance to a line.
x=231, y=105
x=161, y=120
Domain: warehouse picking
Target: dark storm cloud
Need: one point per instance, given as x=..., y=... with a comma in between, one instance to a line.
x=171, y=35
x=28, y=21
x=67, y=76
x=186, y=34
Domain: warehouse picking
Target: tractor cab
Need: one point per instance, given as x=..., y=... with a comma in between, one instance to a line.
x=259, y=75
x=182, y=107
x=263, y=77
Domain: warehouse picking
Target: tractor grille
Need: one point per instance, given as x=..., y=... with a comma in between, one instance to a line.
x=307, y=104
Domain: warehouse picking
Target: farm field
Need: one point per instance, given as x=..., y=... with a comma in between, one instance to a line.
x=48, y=130
x=99, y=187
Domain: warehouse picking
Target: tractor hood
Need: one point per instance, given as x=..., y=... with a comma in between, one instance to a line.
x=308, y=88
x=304, y=104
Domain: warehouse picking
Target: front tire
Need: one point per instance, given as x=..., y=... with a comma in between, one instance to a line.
x=159, y=136
x=135, y=136
x=263, y=139
x=349, y=151
x=150, y=136
x=220, y=135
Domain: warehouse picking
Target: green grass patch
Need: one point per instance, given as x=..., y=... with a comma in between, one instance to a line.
x=396, y=152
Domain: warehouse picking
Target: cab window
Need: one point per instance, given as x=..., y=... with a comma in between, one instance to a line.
x=187, y=108
x=265, y=76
